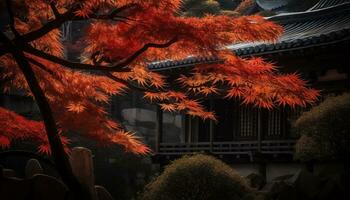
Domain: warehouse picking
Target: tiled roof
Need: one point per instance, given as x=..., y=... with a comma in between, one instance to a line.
x=314, y=27
x=190, y=61
x=328, y=3
x=302, y=30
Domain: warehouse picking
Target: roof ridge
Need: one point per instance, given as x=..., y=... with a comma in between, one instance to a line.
x=321, y=4
x=309, y=14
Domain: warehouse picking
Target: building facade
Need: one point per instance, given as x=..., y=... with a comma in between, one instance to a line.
x=314, y=43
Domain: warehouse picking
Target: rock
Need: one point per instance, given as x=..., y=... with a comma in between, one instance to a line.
x=306, y=184
x=333, y=189
x=14, y=189
x=256, y=181
x=39, y=187
x=102, y=193
x=268, y=187
x=8, y=173
x=45, y=187
x=33, y=167
x=83, y=169
x=260, y=197
x=283, y=178
x=282, y=191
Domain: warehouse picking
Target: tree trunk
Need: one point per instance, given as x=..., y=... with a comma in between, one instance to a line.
x=60, y=157
x=58, y=154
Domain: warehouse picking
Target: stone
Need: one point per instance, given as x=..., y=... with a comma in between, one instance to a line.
x=83, y=169
x=33, y=167
x=256, y=181
x=333, y=188
x=8, y=173
x=14, y=189
x=45, y=187
x=306, y=184
x=38, y=187
x=282, y=191
x=283, y=178
x=102, y=193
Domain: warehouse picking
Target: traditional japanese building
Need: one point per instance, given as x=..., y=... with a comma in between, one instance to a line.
x=315, y=44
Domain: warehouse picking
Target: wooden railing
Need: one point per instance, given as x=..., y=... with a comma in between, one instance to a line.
x=234, y=148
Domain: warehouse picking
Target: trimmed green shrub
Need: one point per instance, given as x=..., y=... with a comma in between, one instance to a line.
x=325, y=130
x=198, y=177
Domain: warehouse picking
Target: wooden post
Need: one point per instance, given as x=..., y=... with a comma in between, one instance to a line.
x=259, y=131
x=211, y=127
x=83, y=169
x=159, y=131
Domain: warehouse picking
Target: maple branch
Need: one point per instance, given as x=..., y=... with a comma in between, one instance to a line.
x=48, y=27
x=54, y=9
x=42, y=66
x=54, y=24
x=58, y=153
x=12, y=18
x=114, y=14
x=118, y=67
x=107, y=74
x=66, y=63
x=131, y=58
x=58, y=21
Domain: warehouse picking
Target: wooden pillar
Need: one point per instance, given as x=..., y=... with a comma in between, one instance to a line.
x=83, y=169
x=211, y=126
x=259, y=131
x=159, y=128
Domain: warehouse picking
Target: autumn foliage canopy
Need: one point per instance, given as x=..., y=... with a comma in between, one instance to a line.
x=123, y=37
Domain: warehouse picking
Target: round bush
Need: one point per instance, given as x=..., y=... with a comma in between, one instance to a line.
x=197, y=177
x=325, y=130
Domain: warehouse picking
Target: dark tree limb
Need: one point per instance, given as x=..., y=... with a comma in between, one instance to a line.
x=117, y=67
x=59, y=156
x=42, y=67
x=131, y=58
x=69, y=64
x=54, y=9
x=12, y=18
x=59, y=20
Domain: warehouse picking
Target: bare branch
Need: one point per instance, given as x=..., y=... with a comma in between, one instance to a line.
x=41, y=66
x=54, y=9
x=57, y=23
x=118, y=67
x=66, y=63
x=131, y=58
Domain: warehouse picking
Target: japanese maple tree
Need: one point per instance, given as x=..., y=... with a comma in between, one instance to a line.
x=123, y=37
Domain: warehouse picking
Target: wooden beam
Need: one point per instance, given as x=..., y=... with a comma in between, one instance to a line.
x=259, y=130
x=159, y=128
x=211, y=126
